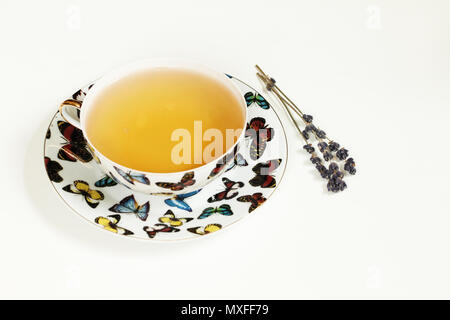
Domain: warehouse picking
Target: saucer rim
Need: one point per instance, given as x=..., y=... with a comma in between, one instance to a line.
x=132, y=237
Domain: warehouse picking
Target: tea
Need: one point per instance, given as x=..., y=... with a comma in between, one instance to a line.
x=132, y=121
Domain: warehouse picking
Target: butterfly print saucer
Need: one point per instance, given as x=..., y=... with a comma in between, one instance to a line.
x=247, y=182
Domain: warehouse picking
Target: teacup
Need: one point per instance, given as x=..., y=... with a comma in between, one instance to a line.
x=146, y=181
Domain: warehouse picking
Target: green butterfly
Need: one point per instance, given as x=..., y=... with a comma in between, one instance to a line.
x=251, y=97
x=224, y=210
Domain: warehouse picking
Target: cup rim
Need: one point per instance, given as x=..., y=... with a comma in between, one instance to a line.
x=118, y=73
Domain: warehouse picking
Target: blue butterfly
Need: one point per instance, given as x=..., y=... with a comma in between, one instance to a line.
x=178, y=200
x=129, y=205
x=237, y=161
x=106, y=181
x=224, y=210
x=132, y=177
x=251, y=97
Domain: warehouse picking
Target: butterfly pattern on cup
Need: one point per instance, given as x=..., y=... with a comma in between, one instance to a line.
x=223, y=162
x=132, y=177
x=186, y=181
x=248, y=178
x=75, y=146
x=259, y=133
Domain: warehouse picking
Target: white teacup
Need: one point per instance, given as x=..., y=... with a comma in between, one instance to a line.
x=147, y=181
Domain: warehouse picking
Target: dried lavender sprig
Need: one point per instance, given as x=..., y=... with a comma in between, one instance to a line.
x=307, y=119
x=271, y=86
x=334, y=176
x=291, y=116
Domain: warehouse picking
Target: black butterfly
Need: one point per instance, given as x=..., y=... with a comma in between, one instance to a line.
x=75, y=147
x=229, y=186
x=263, y=171
x=53, y=168
x=255, y=199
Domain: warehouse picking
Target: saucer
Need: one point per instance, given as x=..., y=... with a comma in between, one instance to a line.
x=247, y=183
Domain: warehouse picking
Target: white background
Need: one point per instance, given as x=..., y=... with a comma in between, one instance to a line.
x=376, y=76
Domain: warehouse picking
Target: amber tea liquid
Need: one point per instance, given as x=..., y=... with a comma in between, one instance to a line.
x=131, y=121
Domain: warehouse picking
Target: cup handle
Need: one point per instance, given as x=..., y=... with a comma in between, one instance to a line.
x=63, y=110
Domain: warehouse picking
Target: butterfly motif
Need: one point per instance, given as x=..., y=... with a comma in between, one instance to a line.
x=161, y=193
x=110, y=223
x=130, y=205
x=81, y=94
x=237, y=161
x=75, y=146
x=210, y=228
x=53, y=167
x=263, y=171
x=151, y=232
x=229, y=186
x=106, y=181
x=169, y=218
x=221, y=164
x=260, y=134
x=81, y=187
x=97, y=159
x=251, y=97
x=178, y=200
x=131, y=177
x=224, y=210
x=255, y=199
x=186, y=181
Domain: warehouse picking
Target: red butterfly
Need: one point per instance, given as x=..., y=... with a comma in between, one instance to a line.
x=75, y=145
x=263, y=172
x=255, y=199
x=151, y=232
x=186, y=181
x=260, y=134
x=218, y=168
x=229, y=186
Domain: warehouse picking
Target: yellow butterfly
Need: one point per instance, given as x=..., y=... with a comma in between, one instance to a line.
x=91, y=196
x=205, y=230
x=110, y=223
x=169, y=218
